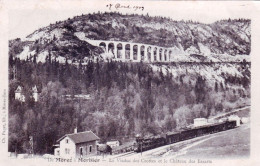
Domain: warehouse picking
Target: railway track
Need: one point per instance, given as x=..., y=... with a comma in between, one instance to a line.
x=231, y=112
x=125, y=155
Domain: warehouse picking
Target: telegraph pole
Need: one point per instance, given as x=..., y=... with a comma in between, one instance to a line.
x=31, y=145
x=141, y=147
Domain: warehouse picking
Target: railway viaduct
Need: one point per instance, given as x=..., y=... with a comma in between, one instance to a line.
x=135, y=52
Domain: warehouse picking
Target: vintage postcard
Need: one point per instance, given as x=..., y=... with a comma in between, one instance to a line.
x=129, y=82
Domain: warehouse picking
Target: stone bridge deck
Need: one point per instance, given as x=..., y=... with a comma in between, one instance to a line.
x=136, y=52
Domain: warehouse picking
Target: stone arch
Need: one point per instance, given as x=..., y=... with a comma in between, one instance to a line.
x=119, y=48
x=135, y=52
x=165, y=55
x=142, y=49
x=127, y=51
x=160, y=54
x=170, y=55
x=155, y=54
x=111, y=48
x=149, y=50
x=103, y=46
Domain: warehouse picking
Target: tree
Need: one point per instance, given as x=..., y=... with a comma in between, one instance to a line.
x=216, y=87
x=200, y=89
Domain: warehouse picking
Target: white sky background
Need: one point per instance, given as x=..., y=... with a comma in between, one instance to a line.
x=23, y=22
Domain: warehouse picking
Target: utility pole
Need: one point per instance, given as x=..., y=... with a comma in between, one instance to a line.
x=141, y=147
x=142, y=142
x=31, y=145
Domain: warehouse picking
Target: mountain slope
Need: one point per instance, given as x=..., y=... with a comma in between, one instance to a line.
x=225, y=37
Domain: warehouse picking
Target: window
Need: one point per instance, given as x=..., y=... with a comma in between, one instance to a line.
x=67, y=151
x=90, y=148
x=67, y=141
x=81, y=151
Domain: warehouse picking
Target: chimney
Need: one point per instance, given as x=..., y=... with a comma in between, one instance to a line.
x=75, y=130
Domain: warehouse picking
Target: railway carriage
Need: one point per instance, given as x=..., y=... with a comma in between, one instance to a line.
x=149, y=143
x=143, y=144
x=172, y=137
x=199, y=131
x=187, y=134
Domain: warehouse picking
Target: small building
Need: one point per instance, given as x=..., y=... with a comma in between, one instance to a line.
x=244, y=119
x=35, y=93
x=113, y=144
x=82, y=144
x=19, y=94
x=77, y=97
x=200, y=122
x=56, y=149
x=234, y=118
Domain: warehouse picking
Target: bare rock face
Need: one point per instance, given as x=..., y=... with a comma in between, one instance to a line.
x=64, y=39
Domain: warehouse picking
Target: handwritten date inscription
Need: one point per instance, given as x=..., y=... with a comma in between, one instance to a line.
x=119, y=6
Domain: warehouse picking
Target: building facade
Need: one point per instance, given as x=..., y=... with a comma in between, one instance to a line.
x=19, y=94
x=35, y=93
x=113, y=144
x=77, y=145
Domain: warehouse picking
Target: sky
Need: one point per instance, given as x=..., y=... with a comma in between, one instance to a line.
x=25, y=20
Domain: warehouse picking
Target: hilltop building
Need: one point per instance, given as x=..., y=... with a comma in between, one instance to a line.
x=35, y=93
x=82, y=144
x=19, y=95
x=77, y=97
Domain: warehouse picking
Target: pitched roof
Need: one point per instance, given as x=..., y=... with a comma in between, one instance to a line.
x=85, y=136
x=34, y=89
x=19, y=89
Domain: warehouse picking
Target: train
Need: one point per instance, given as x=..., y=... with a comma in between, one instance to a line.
x=144, y=144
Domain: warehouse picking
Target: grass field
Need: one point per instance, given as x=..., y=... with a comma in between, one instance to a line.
x=234, y=143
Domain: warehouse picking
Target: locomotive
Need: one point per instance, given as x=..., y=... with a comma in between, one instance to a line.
x=143, y=144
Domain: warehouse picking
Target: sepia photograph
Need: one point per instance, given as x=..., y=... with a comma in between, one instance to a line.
x=123, y=82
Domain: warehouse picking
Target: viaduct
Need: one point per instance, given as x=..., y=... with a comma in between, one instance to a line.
x=135, y=52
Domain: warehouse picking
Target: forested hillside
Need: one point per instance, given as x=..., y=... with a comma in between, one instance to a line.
x=126, y=98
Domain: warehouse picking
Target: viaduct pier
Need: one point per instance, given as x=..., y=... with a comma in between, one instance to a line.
x=135, y=52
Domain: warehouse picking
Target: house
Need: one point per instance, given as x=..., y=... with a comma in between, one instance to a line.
x=200, y=122
x=82, y=144
x=19, y=95
x=235, y=118
x=113, y=144
x=77, y=97
x=35, y=93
